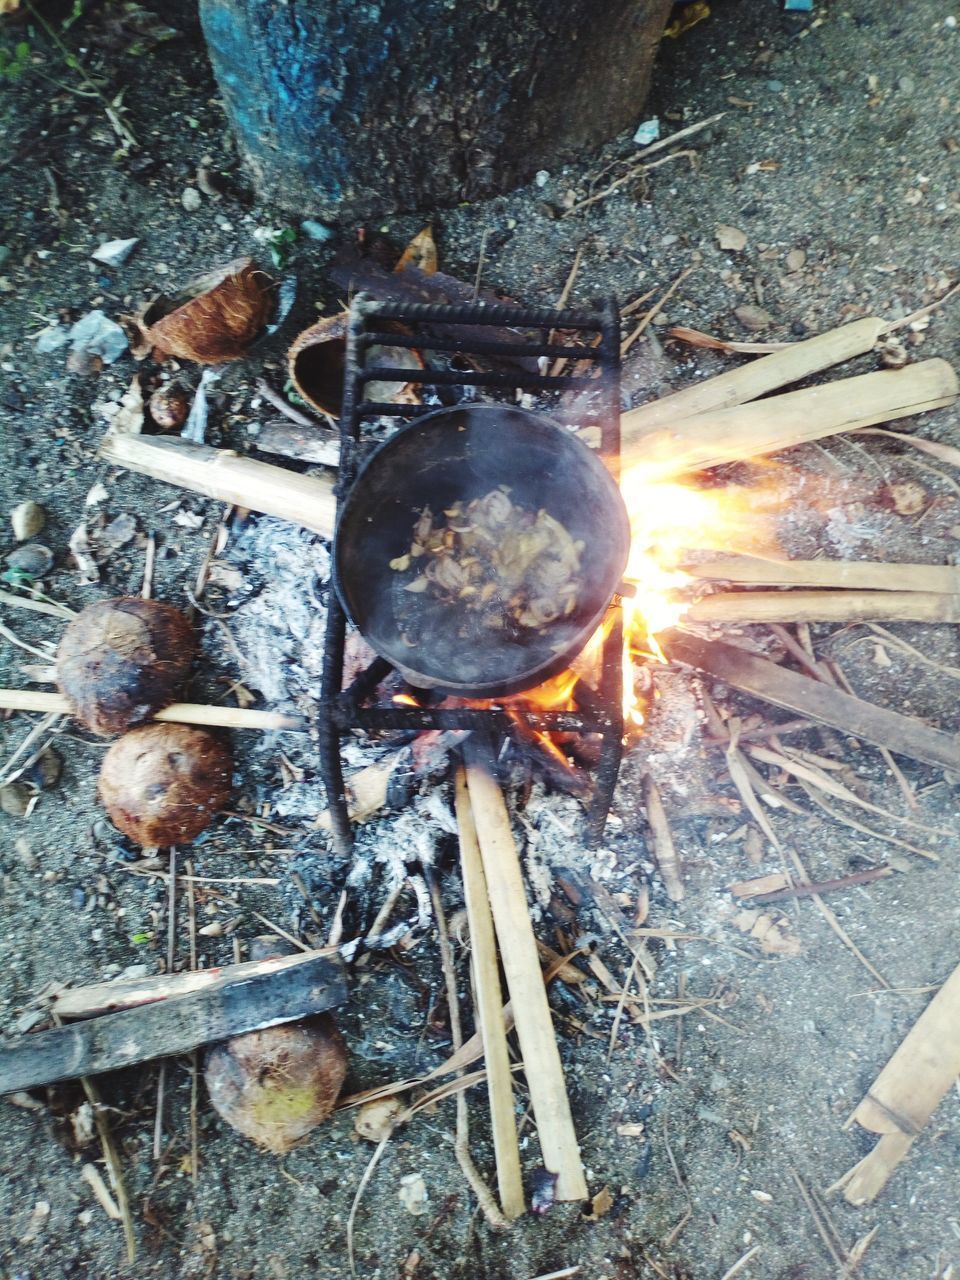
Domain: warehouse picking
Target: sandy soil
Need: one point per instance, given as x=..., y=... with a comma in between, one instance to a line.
x=839, y=141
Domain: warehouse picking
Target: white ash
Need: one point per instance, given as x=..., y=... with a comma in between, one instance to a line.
x=279, y=621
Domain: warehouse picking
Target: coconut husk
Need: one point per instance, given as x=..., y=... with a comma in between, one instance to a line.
x=222, y=314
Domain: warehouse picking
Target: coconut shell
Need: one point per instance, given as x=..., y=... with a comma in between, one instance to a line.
x=162, y=784
x=275, y=1085
x=228, y=310
x=119, y=661
x=317, y=357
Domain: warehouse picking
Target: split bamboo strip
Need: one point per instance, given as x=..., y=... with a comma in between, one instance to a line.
x=221, y=474
x=824, y=606
x=907, y=1092
x=861, y=575
x=489, y=1008
x=178, y=712
x=823, y=703
x=749, y=381
x=767, y=426
x=528, y=996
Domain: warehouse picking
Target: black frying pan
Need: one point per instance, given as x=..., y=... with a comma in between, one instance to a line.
x=465, y=453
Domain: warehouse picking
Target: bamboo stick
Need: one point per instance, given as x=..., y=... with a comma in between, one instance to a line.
x=221, y=474
x=864, y=575
x=528, y=996
x=821, y=702
x=489, y=1008
x=767, y=426
x=664, y=850
x=825, y=606
x=750, y=381
x=178, y=712
x=907, y=1091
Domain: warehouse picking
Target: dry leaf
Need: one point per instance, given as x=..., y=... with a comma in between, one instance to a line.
x=127, y=420
x=753, y=317
x=376, y=1120
x=420, y=252
x=228, y=309
x=600, y=1205
x=731, y=238
x=770, y=930
x=908, y=498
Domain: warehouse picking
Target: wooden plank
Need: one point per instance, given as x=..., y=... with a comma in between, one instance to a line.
x=127, y=993
x=171, y=1026
x=768, y=426
x=521, y=965
x=858, y=575
x=823, y=703
x=824, y=606
x=222, y=474
x=489, y=1008
x=758, y=378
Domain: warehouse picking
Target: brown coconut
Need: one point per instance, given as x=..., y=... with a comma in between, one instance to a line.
x=227, y=310
x=162, y=784
x=275, y=1085
x=316, y=361
x=119, y=661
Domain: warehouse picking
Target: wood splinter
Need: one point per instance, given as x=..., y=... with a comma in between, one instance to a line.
x=906, y=1093
x=664, y=850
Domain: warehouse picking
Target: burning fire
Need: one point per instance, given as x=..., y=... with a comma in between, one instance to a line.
x=668, y=521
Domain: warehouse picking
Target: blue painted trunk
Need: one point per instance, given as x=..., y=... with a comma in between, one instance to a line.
x=346, y=110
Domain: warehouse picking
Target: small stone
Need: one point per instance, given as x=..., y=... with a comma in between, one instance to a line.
x=796, y=259
x=950, y=22
x=775, y=86
x=314, y=230
x=24, y=852
x=753, y=318
x=15, y=799
x=908, y=498
x=731, y=238
x=33, y=560
x=647, y=132
x=114, y=253
x=413, y=1194
x=542, y=178
x=45, y=771
x=28, y=518
x=191, y=199
x=907, y=85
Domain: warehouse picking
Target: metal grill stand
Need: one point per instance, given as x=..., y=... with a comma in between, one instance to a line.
x=342, y=710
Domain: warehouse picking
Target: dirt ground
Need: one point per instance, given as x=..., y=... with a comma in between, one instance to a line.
x=839, y=147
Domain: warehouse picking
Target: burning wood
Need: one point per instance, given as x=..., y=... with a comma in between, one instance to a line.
x=906, y=1093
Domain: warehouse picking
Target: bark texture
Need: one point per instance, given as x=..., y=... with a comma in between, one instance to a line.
x=345, y=109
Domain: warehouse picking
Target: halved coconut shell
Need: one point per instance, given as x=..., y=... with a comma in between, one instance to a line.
x=227, y=310
x=316, y=362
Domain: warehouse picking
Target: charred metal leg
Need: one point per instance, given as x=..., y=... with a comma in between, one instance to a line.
x=328, y=743
x=611, y=751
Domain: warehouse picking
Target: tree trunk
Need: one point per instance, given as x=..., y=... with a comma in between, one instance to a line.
x=345, y=109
